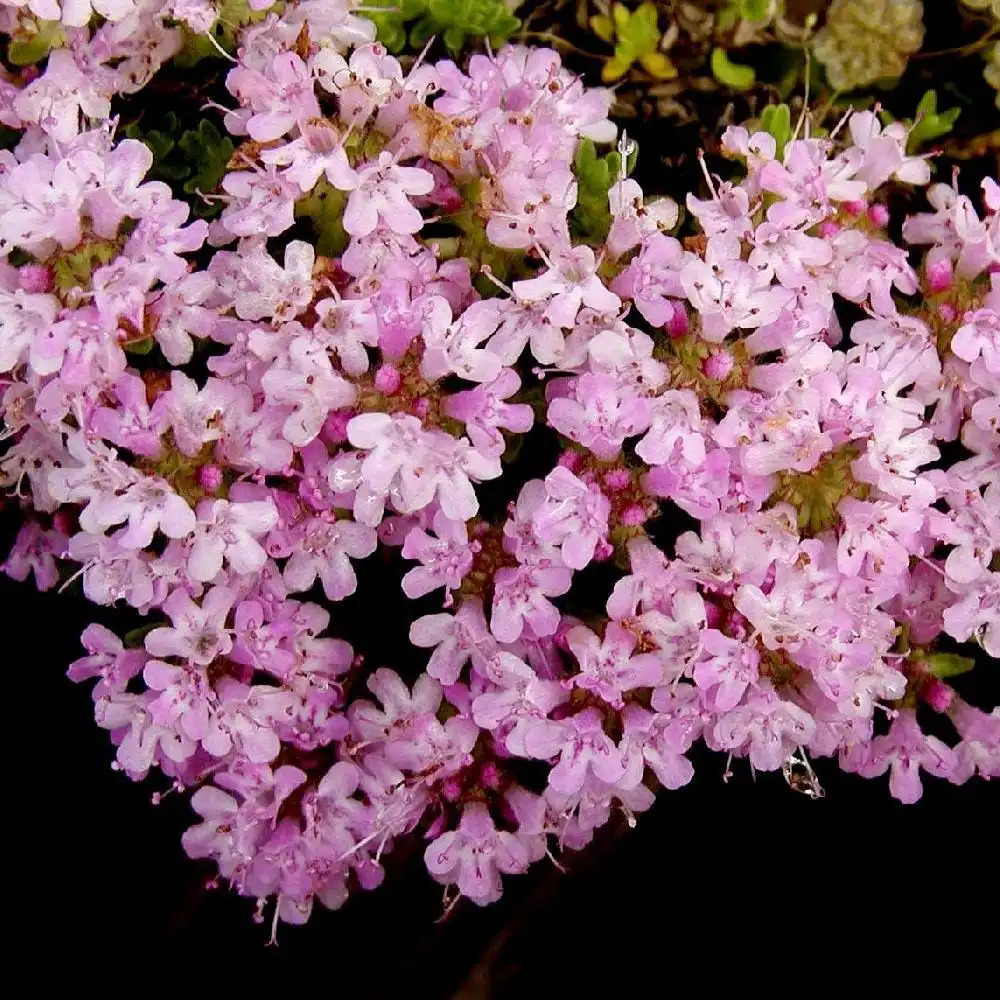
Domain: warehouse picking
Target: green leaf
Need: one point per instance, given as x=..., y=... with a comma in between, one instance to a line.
x=755, y=10
x=733, y=75
x=776, y=120
x=140, y=347
x=75, y=268
x=930, y=124
x=453, y=21
x=137, y=637
x=948, y=664
x=208, y=152
x=591, y=218
x=27, y=46
x=324, y=207
x=640, y=31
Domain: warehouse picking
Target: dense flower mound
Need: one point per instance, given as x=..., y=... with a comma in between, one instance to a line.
x=213, y=423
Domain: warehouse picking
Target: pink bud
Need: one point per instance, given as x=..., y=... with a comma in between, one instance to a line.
x=603, y=550
x=677, y=325
x=422, y=406
x=713, y=614
x=559, y=639
x=828, y=229
x=35, y=278
x=210, y=477
x=451, y=789
x=938, y=695
x=717, y=366
x=632, y=516
x=617, y=479
x=854, y=208
x=388, y=379
x=448, y=197
x=489, y=775
x=939, y=275
x=335, y=426
x=61, y=521
x=571, y=460
x=878, y=215
x=947, y=312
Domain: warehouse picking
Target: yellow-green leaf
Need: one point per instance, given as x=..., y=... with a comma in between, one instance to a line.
x=733, y=75
x=658, y=66
x=603, y=27
x=615, y=68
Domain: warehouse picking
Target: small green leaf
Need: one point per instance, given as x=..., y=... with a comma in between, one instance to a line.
x=776, y=120
x=948, y=664
x=33, y=42
x=928, y=104
x=591, y=218
x=755, y=10
x=137, y=637
x=75, y=268
x=324, y=207
x=733, y=75
x=140, y=347
x=929, y=123
x=208, y=152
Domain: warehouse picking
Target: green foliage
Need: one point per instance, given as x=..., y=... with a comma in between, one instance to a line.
x=947, y=664
x=930, y=124
x=197, y=157
x=75, y=268
x=136, y=638
x=142, y=346
x=233, y=14
x=208, y=152
x=636, y=38
x=756, y=11
x=591, y=218
x=733, y=75
x=324, y=207
x=776, y=120
x=33, y=41
x=454, y=21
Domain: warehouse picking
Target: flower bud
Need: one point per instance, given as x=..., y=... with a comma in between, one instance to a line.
x=717, y=366
x=388, y=379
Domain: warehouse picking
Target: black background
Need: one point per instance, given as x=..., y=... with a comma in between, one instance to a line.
x=716, y=880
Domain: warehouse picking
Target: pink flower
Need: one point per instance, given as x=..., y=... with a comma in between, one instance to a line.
x=229, y=532
x=34, y=553
x=281, y=95
x=726, y=669
x=197, y=633
x=323, y=547
x=599, y=415
x=765, y=727
x=474, y=856
x=904, y=751
x=608, y=667
x=445, y=559
x=318, y=152
x=108, y=660
x=520, y=601
x=583, y=749
x=570, y=282
x=573, y=516
x=484, y=412
x=456, y=639
x=382, y=197
x=729, y=292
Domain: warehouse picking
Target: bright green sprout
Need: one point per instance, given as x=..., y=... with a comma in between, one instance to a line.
x=636, y=37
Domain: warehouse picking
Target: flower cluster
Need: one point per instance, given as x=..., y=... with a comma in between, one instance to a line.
x=216, y=422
